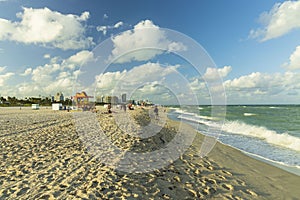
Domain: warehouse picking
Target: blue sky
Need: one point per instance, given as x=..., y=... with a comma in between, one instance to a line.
x=253, y=44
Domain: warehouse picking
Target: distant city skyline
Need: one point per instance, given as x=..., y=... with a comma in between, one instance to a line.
x=254, y=44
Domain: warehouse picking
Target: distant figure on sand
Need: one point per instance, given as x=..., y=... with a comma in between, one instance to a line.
x=130, y=106
x=156, y=112
x=109, y=108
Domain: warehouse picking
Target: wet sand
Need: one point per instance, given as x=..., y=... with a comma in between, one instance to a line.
x=43, y=156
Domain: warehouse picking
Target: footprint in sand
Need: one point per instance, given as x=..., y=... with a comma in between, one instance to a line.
x=240, y=182
x=227, y=186
x=233, y=197
x=211, y=181
x=227, y=172
x=251, y=193
x=205, y=191
x=220, y=176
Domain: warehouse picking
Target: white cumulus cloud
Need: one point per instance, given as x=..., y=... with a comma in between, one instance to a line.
x=138, y=79
x=281, y=19
x=145, y=35
x=146, y=73
x=102, y=29
x=5, y=77
x=216, y=73
x=27, y=72
x=254, y=88
x=47, y=56
x=81, y=57
x=105, y=29
x=77, y=60
x=294, y=61
x=2, y=69
x=263, y=83
x=57, y=75
x=118, y=24
x=160, y=83
x=46, y=27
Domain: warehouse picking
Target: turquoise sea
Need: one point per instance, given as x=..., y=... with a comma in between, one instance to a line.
x=270, y=133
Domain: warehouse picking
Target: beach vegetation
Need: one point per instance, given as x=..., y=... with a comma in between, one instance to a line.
x=28, y=101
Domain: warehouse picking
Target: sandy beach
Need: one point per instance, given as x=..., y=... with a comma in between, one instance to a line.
x=44, y=156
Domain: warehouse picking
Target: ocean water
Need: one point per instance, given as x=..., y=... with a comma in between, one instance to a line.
x=268, y=133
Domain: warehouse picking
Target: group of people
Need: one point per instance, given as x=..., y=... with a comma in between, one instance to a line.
x=130, y=107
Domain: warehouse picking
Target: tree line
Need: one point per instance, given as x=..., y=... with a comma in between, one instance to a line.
x=13, y=101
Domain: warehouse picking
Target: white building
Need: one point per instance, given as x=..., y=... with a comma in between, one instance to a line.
x=35, y=106
x=56, y=106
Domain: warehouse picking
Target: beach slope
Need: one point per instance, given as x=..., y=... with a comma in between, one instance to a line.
x=43, y=156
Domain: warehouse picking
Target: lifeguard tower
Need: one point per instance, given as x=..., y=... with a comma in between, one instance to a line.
x=81, y=100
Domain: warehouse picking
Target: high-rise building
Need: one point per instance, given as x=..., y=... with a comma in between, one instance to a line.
x=107, y=99
x=100, y=99
x=59, y=97
x=111, y=99
x=114, y=100
x=123, y=98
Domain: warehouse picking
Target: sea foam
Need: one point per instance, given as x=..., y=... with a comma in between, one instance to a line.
x=237, y=127
x=270, y=136
x=249, y=114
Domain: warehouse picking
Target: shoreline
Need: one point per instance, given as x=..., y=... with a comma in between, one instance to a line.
x=268, y=181
x=270, y=170
x=291, y=169
x=43, y=156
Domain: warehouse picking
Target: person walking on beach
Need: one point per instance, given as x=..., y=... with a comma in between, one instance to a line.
x=109, y=108
x=156, y=112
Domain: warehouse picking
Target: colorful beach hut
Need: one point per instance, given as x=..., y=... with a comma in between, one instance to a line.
x=81, y=99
